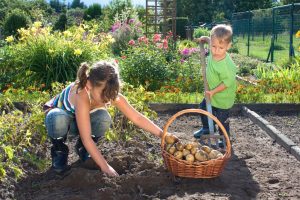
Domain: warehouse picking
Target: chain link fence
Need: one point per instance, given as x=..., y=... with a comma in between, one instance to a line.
x=268, y=34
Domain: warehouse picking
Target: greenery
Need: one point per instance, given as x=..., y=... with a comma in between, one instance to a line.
x=42, y=57
x=15, y=20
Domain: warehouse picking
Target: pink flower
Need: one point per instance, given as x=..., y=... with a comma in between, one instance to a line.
x=165, y=44
x=143, y=39
x=156, y=38
x=116, y=26
x=131, y=42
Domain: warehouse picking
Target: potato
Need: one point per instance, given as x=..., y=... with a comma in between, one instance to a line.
x=213, y=154
x=168, y=146
x=185, y=152
x=172, y=150
x=170, y=139
x=179, y=146
x=220, y=155
x=207, y=149
x=190, y=158
x=201, y=155
x=189, y=146
x=194, y=150
x=178, y=154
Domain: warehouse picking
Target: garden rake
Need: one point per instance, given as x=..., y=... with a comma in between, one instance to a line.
x=210, y=139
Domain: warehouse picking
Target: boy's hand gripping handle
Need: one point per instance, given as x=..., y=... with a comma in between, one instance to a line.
x=208, y=105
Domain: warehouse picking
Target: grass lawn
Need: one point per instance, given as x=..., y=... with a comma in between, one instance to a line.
x=259, y=47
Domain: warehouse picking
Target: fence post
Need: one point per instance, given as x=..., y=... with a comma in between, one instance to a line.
x=249, y=30
x=291, y=49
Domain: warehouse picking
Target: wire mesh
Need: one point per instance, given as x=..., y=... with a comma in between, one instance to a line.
x=268, y=34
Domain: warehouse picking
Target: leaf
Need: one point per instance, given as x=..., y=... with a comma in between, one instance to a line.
x=9, y=151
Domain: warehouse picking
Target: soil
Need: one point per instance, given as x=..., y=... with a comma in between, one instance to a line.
x=288, y=125
x=258, y=169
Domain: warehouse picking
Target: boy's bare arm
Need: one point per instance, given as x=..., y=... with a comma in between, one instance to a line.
x=220, y=88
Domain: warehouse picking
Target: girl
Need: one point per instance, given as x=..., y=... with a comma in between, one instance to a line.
x=81, y=109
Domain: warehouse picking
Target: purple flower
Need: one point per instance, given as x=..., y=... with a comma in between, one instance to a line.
x=131, y=21
x=185, y=52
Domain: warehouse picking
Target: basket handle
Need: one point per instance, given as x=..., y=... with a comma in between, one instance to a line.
x=228, y=145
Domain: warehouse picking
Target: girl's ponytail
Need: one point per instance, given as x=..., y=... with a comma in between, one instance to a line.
x=82, y=76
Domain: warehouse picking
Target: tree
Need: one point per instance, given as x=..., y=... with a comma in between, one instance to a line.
x=245, y=5
x=94, y=11
x=61, y=23
x=77, y=4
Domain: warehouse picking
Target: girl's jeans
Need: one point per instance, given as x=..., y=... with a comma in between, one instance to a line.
x=221, y=114
x=59, y=123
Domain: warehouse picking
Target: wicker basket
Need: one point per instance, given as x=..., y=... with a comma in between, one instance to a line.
x=207, y=169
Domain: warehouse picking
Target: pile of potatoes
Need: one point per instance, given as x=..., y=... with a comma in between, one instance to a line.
x=191, y=152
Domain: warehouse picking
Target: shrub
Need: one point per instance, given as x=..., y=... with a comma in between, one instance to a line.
x=92, y=12
x=198, y=32
x=42, y=57
x=15, y=20
x=61, y=23
x=144, y=66
x=126, y=27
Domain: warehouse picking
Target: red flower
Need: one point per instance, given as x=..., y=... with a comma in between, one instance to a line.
x=131, y=42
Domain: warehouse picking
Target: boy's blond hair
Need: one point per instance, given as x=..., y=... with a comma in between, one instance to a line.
x=222, y=32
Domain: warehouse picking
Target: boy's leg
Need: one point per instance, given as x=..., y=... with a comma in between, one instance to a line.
x=100, y=122
x=223, y=117
x=57, y=124
x=204, y=120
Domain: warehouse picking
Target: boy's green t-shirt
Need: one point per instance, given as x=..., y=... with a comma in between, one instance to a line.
x=223, y=71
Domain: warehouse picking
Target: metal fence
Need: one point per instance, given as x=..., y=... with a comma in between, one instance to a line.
x=267, y=34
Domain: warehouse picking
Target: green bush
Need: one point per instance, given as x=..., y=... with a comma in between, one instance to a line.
x=61, y=23
x=93, y=12
x=47, y=57
x=198, y=32
x=15, y=20
x=144, y=66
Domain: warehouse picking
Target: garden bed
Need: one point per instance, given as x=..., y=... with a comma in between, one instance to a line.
x=287, y=125
x=258, y=169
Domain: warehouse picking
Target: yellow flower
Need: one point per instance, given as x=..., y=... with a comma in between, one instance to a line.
x=67, y=33
x=37, y=24
x=9, y=39
x=298, y=34
x=77, y=52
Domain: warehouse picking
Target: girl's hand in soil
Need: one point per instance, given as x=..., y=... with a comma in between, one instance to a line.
x=109, y=171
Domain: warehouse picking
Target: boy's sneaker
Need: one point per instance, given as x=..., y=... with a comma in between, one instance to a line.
x=221, y=144
x=202, y=131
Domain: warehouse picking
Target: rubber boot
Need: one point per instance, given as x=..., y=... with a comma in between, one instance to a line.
x=81, y=151
x=86, y=160
x=59, y=154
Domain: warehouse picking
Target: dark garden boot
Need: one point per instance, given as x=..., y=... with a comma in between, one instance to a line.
x=81, y=151
x=86, y=160
x=59, y=154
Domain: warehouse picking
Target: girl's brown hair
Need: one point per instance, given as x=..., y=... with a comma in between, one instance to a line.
x=99, y=73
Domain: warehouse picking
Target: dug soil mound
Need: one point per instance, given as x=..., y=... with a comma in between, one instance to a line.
x=258, y=169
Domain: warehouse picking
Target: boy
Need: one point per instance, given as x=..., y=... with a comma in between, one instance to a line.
x=220, y=75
